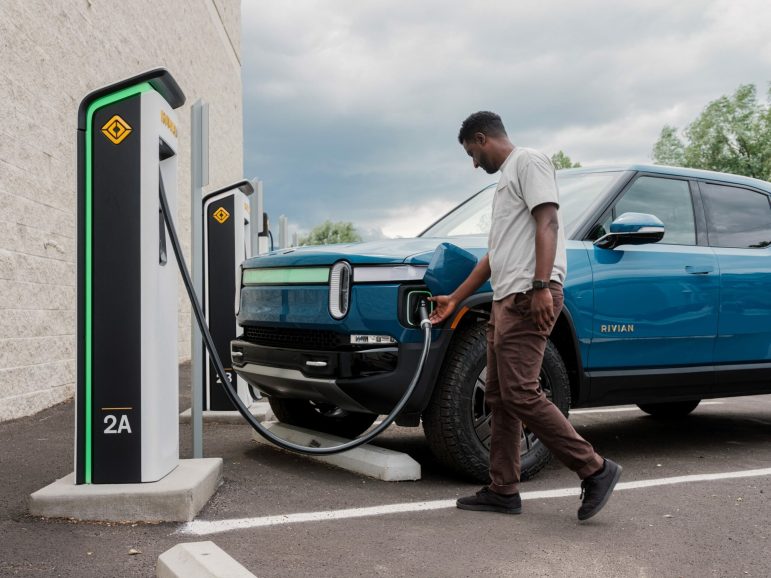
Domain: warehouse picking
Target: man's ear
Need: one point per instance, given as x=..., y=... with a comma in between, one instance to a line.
x=480, y=138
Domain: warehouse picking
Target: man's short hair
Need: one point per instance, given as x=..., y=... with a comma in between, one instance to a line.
x=484, y=121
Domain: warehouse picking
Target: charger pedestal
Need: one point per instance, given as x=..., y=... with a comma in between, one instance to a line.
x=127, y=465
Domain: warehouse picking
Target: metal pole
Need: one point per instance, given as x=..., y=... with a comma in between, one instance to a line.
x=283, y=232
x=255, y=218
x=199, y=178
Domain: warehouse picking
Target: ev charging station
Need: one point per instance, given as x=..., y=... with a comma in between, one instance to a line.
x=127, y=464
x=126, y=405
x=227, y=242
x=127, y=378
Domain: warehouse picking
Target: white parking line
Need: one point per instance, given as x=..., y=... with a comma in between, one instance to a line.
x=205, y=527
x=619, y=409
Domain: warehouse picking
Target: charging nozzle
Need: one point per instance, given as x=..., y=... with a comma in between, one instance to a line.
x=423, y=310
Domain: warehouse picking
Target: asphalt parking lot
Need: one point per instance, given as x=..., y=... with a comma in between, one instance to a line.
x=656, y=524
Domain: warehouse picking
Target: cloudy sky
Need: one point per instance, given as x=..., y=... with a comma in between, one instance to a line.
x=352, y=108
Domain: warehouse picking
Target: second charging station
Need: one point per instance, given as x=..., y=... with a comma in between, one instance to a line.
x=227, y=242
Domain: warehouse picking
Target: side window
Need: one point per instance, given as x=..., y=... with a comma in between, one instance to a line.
x=737, y=217
x=668, y=199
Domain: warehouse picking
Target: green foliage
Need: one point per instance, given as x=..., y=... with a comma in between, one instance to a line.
x=732, y=135
x=669, y=149
x=562, y=161
x=328, y=233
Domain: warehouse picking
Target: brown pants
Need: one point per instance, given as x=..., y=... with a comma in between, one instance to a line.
x=515, y=348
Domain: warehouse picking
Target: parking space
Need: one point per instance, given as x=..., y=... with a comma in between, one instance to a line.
x=282, y=515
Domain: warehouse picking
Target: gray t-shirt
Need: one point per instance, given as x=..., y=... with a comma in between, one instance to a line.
x=527, y=180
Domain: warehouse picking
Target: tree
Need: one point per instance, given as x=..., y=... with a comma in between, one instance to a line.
x=328, y=233
x=669, y=149
x=732, y=135
x=562, y=161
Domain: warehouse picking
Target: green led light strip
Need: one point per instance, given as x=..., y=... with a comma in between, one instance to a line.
x=286, y=276
x=93, y=107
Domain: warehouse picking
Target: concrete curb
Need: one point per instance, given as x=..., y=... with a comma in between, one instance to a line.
x=368, y=460
x=178, y=497
x=259, y=409
x=199, y=560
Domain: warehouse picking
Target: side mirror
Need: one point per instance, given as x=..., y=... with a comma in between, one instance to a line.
x=632, y=229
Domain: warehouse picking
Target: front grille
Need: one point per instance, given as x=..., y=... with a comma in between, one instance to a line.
x=297, y=338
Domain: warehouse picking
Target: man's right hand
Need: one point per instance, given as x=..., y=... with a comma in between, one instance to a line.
x=444, y=305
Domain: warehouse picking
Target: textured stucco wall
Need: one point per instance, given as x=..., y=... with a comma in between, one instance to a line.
x=52, y=53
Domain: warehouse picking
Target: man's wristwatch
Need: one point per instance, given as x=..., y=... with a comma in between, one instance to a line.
x=540, y=284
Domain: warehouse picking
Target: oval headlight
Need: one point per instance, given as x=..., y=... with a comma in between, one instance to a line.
x=340, y=289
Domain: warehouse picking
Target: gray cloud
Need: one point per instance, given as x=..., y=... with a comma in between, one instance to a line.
x=352, y=108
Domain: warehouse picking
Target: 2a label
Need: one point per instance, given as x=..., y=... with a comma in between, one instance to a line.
x=228, y=374
x=115, y=425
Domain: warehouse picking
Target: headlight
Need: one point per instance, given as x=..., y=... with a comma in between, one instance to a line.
x=340, y=289
x=386, y=274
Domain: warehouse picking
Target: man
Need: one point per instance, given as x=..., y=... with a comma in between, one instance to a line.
x=526, y=262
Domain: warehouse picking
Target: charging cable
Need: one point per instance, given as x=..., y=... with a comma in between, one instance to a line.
x=425, y=326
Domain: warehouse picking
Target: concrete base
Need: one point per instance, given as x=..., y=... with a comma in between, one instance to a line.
x=176, y=498
x=199, y=560
x=369, y=460
x=259, y=409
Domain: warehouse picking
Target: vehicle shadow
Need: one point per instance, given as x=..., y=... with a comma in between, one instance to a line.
x=704, y=433
x=715, y=435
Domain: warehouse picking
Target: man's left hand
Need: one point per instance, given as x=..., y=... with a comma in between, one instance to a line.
x=542, y=309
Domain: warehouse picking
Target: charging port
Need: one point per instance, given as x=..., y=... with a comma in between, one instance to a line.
x=413, y=305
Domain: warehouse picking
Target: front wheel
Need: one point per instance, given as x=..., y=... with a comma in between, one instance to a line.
x=321, y=417
x=457, y=420
x=670, y=409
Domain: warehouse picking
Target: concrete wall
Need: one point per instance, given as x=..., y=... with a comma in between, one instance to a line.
x=52, y=53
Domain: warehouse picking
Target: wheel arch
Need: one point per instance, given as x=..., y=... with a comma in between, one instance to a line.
x=564, y=337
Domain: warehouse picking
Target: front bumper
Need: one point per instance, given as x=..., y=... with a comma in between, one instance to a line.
x=369, y=380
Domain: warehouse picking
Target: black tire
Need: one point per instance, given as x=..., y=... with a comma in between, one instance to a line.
x=670, y=409
x=321, y=417
x=457, y=403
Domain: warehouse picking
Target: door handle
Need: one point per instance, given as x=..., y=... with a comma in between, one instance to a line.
x=699, y=269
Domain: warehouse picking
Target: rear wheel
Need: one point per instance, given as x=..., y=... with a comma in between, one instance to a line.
x=322, y=417
x=670, y=409
x=457, y=420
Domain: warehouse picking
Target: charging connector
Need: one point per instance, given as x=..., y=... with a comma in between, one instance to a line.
x=414, y=299
x=423, y=309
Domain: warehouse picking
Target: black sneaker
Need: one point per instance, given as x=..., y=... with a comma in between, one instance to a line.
x=596, y=489
x=485, y=500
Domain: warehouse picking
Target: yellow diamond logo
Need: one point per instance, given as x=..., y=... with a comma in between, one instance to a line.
x=116, y=129
x=221, y=215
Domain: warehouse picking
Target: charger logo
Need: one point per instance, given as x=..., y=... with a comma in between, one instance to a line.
x=221, y=215
x=116, y=129
x=168, y=123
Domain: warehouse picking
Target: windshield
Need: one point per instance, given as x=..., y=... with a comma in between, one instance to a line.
x=578, y=193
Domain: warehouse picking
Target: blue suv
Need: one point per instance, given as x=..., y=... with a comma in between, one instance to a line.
x=667, y=302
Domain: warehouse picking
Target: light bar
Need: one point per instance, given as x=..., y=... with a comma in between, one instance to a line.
x=287, y=276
